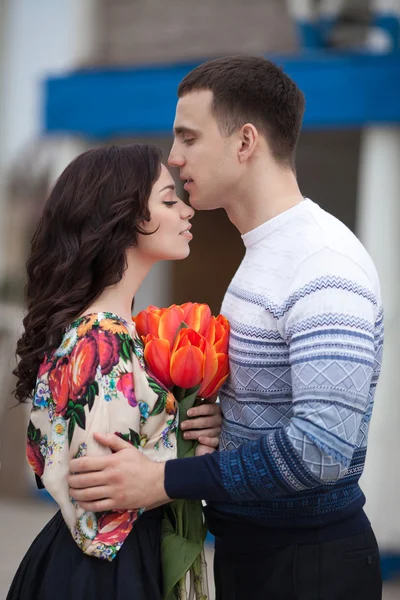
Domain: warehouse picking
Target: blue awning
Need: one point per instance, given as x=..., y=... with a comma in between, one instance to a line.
x=342, y=90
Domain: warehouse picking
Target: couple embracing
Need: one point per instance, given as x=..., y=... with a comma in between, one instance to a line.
x=279, y=468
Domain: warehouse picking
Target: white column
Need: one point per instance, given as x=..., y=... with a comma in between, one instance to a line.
x=302, y=10
x=378, y=227
x=384, y=39
x=38, y=38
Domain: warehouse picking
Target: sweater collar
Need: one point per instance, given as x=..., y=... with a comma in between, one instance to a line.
x=265, y=229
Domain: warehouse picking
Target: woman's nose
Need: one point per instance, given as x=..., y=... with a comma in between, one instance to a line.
x=188, y=212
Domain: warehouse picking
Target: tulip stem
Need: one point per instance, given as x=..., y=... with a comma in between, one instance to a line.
x=192, y=586
x=198, y=577
x=204, y=573
x=182, y=588
x=179, y=393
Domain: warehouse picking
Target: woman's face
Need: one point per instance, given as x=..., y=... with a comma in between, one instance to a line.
x=170, y=218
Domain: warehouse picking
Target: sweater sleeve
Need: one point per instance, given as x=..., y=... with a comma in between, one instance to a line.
x=334, y=329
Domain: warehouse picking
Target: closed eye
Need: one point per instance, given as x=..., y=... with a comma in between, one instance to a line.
x=188, y=141
x=170, y=202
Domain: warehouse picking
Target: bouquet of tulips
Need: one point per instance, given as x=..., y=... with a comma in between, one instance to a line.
x=186, y=348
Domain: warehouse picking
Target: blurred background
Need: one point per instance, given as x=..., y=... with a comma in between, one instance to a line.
x=79, y=73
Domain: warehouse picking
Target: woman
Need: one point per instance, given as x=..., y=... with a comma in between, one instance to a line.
x=111, y=216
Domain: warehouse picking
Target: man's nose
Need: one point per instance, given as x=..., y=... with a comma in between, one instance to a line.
x=175, y=159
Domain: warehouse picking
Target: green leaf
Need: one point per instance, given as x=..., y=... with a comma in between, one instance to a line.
x=181, y=542
x=186, y=448
x=91, y=394
x=156, y=387
x=137, y=341
x=134, y=438
x=80, y=415
x=34, y=434
x=126, y=347
x=71, y=429
x=160, y=404
x=162, y=396
x=77, y=412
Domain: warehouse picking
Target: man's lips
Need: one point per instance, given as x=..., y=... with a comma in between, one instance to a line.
x=188, y=183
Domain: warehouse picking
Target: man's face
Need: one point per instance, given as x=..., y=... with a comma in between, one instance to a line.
x=205, y=158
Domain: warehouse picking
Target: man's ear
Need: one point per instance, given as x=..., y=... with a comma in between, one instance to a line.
x=248, y=138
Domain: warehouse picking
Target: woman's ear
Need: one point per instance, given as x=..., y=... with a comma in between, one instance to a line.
x=248, y=142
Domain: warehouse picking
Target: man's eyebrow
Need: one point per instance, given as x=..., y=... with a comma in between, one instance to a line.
x=171, y=186
x=181, y=130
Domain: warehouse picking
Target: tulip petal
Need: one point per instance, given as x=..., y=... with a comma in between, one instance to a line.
x=219, y=378
x=186, y=309
x=210, y=365
x=157, y=355
x=221, y=342
x=187, y=367
x=153, y=323
x=198, y=317
x=210, y=331
x=189, y=337
x=147, y=320
x=170, y=322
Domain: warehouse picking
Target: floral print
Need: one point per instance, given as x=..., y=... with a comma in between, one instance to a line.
x=125, y=385
x=42, y=396
x=67, y=344
x=88, y=525
x=96, y=380
x=36, y=449
x=59, y=429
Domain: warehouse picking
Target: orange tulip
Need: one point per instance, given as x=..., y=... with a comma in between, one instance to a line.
x=192, y=359
x=157, y=354
x=147, y=321
x=170, y=322
x=209, y=388
x=196, y=316
x=186, y=357
x=217, y=333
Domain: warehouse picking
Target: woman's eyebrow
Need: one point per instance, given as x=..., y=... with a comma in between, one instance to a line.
x=171, y=186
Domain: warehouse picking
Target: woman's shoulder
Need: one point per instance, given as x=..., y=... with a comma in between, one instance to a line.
x=98, y=334
x=95, y=329
x=99, y=321
x=95, y=340
x=94, y=347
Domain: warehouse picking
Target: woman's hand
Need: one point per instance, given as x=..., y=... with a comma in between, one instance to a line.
x=204, y=424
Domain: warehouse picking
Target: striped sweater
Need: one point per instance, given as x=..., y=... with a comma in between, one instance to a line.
x=305, y=355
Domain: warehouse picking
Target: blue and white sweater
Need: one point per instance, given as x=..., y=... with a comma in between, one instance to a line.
x=305, y=354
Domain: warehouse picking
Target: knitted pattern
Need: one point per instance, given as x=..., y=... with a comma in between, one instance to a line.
x=305, y=355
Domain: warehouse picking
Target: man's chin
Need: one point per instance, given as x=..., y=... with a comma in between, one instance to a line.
x=199, y=204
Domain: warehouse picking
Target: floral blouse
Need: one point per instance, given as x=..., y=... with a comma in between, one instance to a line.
x=96, y=381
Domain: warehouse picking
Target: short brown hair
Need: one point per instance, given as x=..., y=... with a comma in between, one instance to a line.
x=252, y=89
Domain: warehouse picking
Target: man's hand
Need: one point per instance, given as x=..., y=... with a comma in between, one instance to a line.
x=120, y=481
x=204, y=425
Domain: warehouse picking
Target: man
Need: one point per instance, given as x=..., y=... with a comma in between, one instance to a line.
x=305, y=310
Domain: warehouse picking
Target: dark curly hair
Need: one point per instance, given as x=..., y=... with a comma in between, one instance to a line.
x=92, y=216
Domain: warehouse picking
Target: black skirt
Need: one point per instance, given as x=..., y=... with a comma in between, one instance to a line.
x=55, y=568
